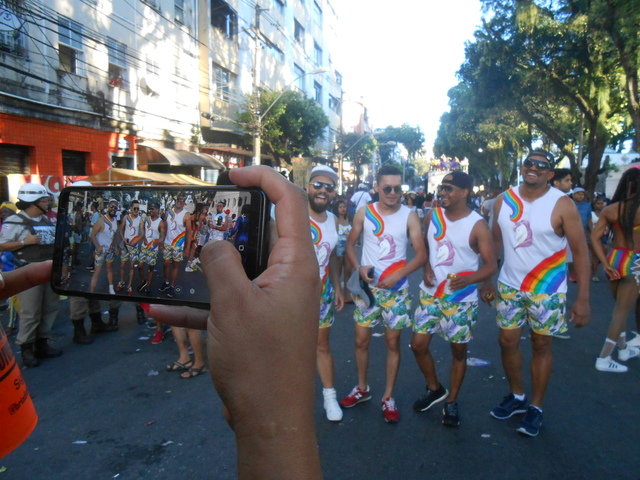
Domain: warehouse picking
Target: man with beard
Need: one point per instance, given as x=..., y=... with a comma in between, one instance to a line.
x=384, y=225
x=533, y=222
x=324, y=234
x=131, y=233
x=176, y=243
x=29, y=234
x=103, y=237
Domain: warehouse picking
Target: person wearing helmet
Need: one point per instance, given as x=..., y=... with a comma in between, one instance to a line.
x=29, y=234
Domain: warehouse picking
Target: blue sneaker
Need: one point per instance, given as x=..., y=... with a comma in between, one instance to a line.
x=510, y=406
x=530, y=424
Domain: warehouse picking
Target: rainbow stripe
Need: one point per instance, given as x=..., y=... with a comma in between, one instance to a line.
x=316, y=233
x=515, y=204
x=440, y=224
x=179, y=240
x=108, y=222
x=548, y=275
x=326, y=283
x=390, y=270
x=375, y=218
x=622, y=260
x=458, y=295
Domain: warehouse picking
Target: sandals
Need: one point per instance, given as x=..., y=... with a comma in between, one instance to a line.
x=180, y=367
x=193, y=372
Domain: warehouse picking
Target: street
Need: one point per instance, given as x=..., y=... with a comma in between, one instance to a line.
x=110, y=410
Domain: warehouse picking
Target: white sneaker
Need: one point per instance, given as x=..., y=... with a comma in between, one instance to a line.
x=627, y=353
x=333, y=410
x=634, y=342
x=607, y=365
x=111, y=290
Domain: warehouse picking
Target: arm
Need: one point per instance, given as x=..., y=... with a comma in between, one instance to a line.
x=97, y=228
x=280, y=443
x=186, y=221
x=607, y=217
x=354, y=235
x=487, y=290
x=428, y=277
x=415, y=234
x=162, y=228
x=334, y=276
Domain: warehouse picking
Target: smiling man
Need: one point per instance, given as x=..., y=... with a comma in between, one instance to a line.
x=384, y=225
x=534, y=223
x=324, y=233
x=456, y=238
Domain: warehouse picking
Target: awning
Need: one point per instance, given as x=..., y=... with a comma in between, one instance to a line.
x=122, y=176
x=168, y=156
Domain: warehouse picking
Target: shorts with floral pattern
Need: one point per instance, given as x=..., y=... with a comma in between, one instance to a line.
x=327, y=311
x=149, y=256
x=453, y=321
x=544, y=312
x=391, y=307
x=107, y=255
x=173, y=252
x=129, y=252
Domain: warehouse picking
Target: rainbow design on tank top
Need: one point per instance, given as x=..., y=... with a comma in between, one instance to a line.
x=439, y=223
x=391, y=269
x=374, y=217
x=134, y=240
x=179, y=240
x=108, y=222
x=515, y=204
x=548, y=275
x=458, y=295
x=316, y=233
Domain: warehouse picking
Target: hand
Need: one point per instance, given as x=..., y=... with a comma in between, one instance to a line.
x=262, y=338
x=611, y=272
x=24, y=278
x=429, y=278
x=458, y=283
x=339, y=300
x=389, y=282
x=487, y=293
x=364, y=273
x=580, y=313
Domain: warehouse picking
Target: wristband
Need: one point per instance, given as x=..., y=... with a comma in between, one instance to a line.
x=22, y=243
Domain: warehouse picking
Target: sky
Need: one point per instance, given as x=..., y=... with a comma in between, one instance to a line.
x=402, y=56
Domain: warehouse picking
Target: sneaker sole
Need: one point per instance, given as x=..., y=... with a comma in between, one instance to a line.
x=450, y=424
x=363, y=399
x=523, y=431
x=515, y=412
x=391, y=421
x=437, y=400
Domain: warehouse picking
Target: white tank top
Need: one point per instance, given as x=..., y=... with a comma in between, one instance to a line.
x=151, y=232
x=534, y=256
x=449, y=252
x=324, y=237
x=105, y=236
x=132, y=231
x=175, y=228
x=385, y=242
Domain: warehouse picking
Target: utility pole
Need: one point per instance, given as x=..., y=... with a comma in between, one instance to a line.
x=255, y=72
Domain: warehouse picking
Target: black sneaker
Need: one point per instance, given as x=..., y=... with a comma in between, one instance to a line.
x=169, y=292
x=510, y=406
x=165, y=286
x=530, y=424
x=450, y=417
x=430, y=399
x=142, y=286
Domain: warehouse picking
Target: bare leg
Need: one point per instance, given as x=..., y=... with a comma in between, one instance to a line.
x=324, y=358
x=512, y=358
x=420, y=347
x=458, y=369
x=363, y=339
x=392, y=339
x=180, y=335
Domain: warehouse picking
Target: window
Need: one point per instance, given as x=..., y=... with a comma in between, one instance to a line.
x=299, y=73
x=223, y=18
x=179, y=11
x=298, y=33
x=317, y=88
x=74, y=163
x=117, y=63
x=152, y=67
x=12, y=33
x=317, y=53
x=317, y=14
x=224, y=82
x=334, y=104
x=279, y=4
x=70, y=45
x=338, y=78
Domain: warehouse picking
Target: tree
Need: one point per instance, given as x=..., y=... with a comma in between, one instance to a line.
x=290, y=128
x=359, y=150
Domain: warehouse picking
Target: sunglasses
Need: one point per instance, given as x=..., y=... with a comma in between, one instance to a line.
x=445, y=188
x=539, y=164
x=327, y=186
x=397, y=189
x=113, y=206
x=135, y=209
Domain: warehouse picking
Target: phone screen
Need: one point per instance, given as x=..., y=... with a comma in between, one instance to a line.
x=143, y=243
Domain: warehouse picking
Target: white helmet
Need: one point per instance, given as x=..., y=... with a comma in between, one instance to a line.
x=32, y=192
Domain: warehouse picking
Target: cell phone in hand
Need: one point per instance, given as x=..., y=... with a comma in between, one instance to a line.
x=142, y=243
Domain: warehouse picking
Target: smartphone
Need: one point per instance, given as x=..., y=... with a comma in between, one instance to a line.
x=142, y=244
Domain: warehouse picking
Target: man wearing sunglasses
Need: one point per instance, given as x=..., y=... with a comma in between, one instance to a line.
x=456, y=238
x=533, y=224
x=103, y=237
x=384, y=226
x=324, y=234
x=131, y=231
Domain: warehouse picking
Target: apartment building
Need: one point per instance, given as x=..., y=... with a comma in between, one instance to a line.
x=86, y=85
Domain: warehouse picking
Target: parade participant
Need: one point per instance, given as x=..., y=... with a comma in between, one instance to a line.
x=131, y=231
x=176, y=245
x=103, y=237
x=533, y=222
x=384, y=266
x=200, y=229
x=341, y=212
x=361, y=197
x=324, y=234
x=623, y=217
x=456, y=239
x=219, y=223
x=29, y=235
x=240, y=232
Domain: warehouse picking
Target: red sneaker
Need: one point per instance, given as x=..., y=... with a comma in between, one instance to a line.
x=389, y=410
x=158, y=337
x=356, y=396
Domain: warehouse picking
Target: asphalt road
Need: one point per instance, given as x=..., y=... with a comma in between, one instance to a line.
x=109, y=410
